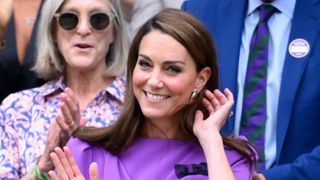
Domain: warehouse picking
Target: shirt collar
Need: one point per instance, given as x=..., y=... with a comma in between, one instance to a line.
x=115, y=89
x=53, y=87
x=284, y=6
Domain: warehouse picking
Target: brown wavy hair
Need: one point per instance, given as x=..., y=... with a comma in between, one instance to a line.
x=192, y=34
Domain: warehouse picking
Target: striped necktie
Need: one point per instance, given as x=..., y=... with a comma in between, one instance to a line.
x=254, y=111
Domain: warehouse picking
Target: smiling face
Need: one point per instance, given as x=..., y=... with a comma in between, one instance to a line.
x=164, y=77
x=84, y=48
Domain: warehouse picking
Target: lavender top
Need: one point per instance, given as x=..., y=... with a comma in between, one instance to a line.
x=153, y=159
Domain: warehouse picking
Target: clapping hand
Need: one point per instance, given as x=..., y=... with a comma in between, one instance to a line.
x=69, y=119
x=67, y=168
x=66, y=122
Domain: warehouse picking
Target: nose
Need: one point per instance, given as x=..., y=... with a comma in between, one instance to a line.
x=155, y=79
x=84, y=26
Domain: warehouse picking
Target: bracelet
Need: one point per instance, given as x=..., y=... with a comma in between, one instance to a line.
x=39, y=174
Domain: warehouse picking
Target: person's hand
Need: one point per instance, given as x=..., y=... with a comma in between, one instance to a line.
x=208, y=132
x=218, y=105
x=54, y=137
x=6, y=7
x=258, y=176
x=67, y=168
x=69, y=119
x=61, y=129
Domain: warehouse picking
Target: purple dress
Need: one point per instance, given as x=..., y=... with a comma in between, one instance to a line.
x=164, y=159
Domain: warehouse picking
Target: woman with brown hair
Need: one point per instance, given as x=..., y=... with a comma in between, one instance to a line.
x=170, y=124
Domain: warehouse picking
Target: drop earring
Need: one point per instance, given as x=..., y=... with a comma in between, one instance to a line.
x=194, y=95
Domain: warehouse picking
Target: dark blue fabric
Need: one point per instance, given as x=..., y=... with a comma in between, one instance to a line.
x=298, y=118
x=13, y=76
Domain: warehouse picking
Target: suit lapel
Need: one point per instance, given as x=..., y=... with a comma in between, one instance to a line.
x=305, y=26
x=228, y=41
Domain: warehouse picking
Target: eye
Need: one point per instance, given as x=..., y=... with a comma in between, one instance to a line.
x=144, y=64
x=174, y=69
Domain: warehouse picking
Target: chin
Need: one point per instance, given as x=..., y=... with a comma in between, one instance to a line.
x=83, y=65
x=153, y=115
x=83, y=60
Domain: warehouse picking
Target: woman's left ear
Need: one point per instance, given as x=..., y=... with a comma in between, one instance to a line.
x=203, y=77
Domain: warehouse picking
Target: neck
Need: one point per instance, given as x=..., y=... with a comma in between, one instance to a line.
x=86, y=85
x=162, y=129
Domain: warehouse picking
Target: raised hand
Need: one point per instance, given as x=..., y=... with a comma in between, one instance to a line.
x=67, y=168
x=208, y=133
x=218, y=105
x=69, y=119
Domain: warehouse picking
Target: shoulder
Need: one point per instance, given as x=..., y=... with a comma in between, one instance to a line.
x=85, y=152
x=238, y=162
x=21, y=99
x=79, y=146
x=26, y=98
x=25, y=106
x=196, y=4
x=234, y=155
x=207, y=11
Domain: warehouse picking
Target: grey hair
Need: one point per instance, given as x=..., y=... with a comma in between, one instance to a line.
x=49, y=61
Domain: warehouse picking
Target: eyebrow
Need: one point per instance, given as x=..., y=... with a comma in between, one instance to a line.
x=165, y=62
x=76, y=10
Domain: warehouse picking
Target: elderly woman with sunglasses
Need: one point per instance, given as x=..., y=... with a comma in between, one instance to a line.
x=82, y=50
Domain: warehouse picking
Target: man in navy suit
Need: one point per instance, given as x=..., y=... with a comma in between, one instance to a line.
x=292, y=144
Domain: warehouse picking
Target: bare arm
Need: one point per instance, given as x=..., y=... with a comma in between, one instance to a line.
x=208, y=133
x=6, y=7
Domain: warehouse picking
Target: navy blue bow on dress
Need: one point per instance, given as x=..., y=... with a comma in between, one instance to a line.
x=183, y=170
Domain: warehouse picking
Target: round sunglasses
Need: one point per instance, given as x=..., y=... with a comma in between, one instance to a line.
x=70, y=21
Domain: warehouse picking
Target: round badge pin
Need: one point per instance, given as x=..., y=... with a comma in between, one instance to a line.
x=299, y=48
